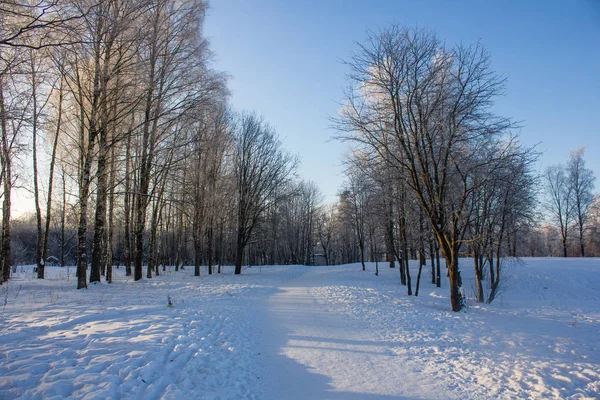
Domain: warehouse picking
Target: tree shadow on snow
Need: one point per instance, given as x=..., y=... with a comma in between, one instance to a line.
x=285, y=378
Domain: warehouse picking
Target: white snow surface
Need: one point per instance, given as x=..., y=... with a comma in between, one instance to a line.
x=296, y=332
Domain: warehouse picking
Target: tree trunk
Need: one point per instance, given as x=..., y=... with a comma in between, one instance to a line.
x=418, y=280
x=239, y=253
x=405, y=255
x=84, y=190
x=438, y=272
x=63, y=218
x=98, y=245
x=220, y=248
x=151, y=259
x=478, y=266
x=456, y=299
x=155, y=222
x=581, y=246
x=209, y=246
x=422, y=259
x=361, y=247
x=152, y=241
x=179, y=238
x=495, y=274
x=111, y=225
x=51, y=174
x=401, y=267
x=127, y=207
x=197, y=252
x=138, y=254
x=96, y=131
x=141, y=205
x=6, y=234
x=450, y=252
x=374, y=252
x=432, y=258
x=39, y=260
x=408, y=280
x=5, y=253
x=196, y=236
x=389, y=232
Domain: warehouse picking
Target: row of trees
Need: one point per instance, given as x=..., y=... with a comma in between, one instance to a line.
x=284, y=234
x=113, y=105
x=382, y=223
x=570, y=198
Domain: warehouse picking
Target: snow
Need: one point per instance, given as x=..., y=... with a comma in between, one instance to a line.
x=300, y=332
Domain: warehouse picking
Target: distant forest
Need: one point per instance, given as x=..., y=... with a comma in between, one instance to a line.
x=113, y=118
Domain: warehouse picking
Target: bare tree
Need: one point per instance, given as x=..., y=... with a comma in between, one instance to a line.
x=560, y=201
x=55, y=140
x=325, y=230
x=425, y=110
x=23, y=26
x=356, y=195
x=581, y=180
x=261, y=167
x=42, y=93
x=6, y=153
x=507, y=195
x=36, y=82
x=14, y=108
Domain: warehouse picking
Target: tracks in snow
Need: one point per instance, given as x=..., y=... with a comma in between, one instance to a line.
x=315, y=352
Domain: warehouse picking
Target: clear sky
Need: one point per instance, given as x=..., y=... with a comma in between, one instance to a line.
x=285, y=61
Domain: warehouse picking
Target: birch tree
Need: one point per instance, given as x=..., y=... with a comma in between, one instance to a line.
x=14, y=109
x=176, y=81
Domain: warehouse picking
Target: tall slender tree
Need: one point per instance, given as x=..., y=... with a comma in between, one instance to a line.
x=560, y=202
x=581, y=180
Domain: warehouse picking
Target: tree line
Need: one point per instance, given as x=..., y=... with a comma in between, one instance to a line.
x=146, y=165
x=571, y=206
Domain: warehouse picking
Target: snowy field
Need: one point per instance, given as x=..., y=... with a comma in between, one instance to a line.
x=301, y=333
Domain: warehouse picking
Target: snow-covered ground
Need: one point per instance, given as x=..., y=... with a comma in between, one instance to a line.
x=299, y=332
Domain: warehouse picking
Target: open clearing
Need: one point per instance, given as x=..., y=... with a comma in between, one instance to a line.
x=299, y=332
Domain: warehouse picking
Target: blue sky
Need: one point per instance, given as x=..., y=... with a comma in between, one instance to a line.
x=285, y=61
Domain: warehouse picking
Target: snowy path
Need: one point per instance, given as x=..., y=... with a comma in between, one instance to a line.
x=329, y=356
